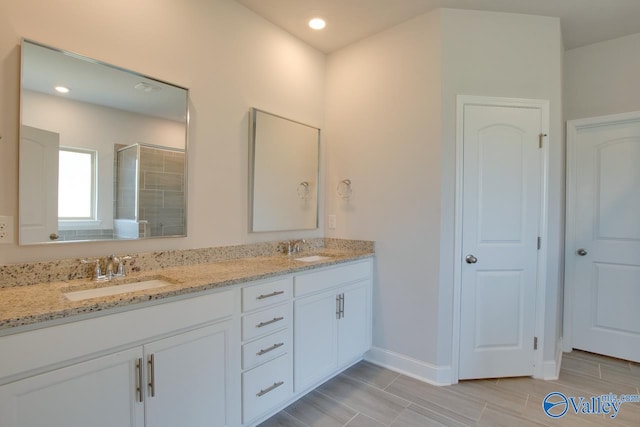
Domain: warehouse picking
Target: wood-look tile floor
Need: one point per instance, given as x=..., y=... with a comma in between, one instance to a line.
x=367, y=395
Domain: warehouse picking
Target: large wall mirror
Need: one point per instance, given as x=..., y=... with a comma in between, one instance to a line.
x=284, y=173
x=102, y=151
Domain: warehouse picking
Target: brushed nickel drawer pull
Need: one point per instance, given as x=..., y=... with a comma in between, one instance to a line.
x=152, y=375
x=139, y=380
x=274, y=320
x=272, y=294
x=267, y=350
x=269, y=389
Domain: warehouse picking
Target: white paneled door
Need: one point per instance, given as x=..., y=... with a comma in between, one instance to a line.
x=603, y=235
x=501, y=210
x=38, y=183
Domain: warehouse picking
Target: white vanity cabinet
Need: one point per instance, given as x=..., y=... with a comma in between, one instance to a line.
x=221, y=359
x=183, y=379
x=332, y=321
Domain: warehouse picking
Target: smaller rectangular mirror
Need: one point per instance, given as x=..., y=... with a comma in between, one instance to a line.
x=284, y=157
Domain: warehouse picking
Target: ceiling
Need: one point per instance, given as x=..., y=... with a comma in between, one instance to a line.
x=583, y=21
x=44, y=68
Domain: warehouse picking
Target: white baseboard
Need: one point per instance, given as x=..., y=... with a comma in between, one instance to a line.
x=551, y=368
x=418, y=369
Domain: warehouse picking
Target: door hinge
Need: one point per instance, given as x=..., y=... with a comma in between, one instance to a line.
x=535, y=343
x=539, y=242
x=542, y=135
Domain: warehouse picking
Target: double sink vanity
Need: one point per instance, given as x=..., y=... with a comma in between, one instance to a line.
x=225, y=343
x=200, y=337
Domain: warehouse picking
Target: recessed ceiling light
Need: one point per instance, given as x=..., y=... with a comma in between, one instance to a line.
x=317, y=23
x=147, y=87
x=62, y=89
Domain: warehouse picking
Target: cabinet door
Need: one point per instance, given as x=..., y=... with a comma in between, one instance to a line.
x=97, y=393
x=314, y=330
x=354, y=329
x=187, y=378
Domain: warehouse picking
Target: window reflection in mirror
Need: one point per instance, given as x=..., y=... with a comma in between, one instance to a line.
x=103, y=109
x=76, y=184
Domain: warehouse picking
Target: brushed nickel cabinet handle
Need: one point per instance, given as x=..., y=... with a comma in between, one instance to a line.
x=272, y=294
x=152, y=375
x=139, y=380
x=274, y=320
x=337, y=306
x=269, y=389
x=268, y=349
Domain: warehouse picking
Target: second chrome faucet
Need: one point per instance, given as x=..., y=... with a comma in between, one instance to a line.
x=291, y=246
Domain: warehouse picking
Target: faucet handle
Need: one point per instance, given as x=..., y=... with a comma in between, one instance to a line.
x=120, y=261
x=97, y=270
x=285, y=247
x=296, y=245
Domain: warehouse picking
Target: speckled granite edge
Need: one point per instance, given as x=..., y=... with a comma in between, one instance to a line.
x=350, y=245
x=71, y=269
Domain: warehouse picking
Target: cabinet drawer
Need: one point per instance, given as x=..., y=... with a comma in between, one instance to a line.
x=265, y=322
x=266, y=294
x=266, y=386
x=265, y=349
x=317, y=281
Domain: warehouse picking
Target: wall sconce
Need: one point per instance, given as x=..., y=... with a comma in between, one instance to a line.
x=304, y=192
x=344, y=189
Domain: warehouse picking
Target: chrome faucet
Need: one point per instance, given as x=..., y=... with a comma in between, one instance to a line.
x=110, y=262
x=291, y=246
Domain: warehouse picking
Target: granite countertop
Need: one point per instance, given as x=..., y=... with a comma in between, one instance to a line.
x=38, y=303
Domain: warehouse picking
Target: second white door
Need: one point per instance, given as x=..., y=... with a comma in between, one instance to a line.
x=501, y=205
x=603, y=239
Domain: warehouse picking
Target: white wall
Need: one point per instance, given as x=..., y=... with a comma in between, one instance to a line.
x=390, y=115
x=227, y=56
x=383, y=133
x=506, y=55
x=602, y=78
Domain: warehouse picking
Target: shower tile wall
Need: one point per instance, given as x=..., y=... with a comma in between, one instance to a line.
x=161, y=192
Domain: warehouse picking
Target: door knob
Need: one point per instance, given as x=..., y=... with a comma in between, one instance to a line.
x=581, y=252
x=53, y=236
x=470, y=259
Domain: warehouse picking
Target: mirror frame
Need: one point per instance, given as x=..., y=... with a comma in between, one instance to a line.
x=253, y=112
x=132, y=73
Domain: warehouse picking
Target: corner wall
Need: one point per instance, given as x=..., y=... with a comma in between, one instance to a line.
x=229, y=58
x=383, y=133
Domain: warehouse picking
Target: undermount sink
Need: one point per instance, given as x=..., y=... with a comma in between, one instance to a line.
x=116, y=289
x=312, y=258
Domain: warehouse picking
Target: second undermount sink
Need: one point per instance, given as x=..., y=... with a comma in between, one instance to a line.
x=116, y=289
x=312, y=258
